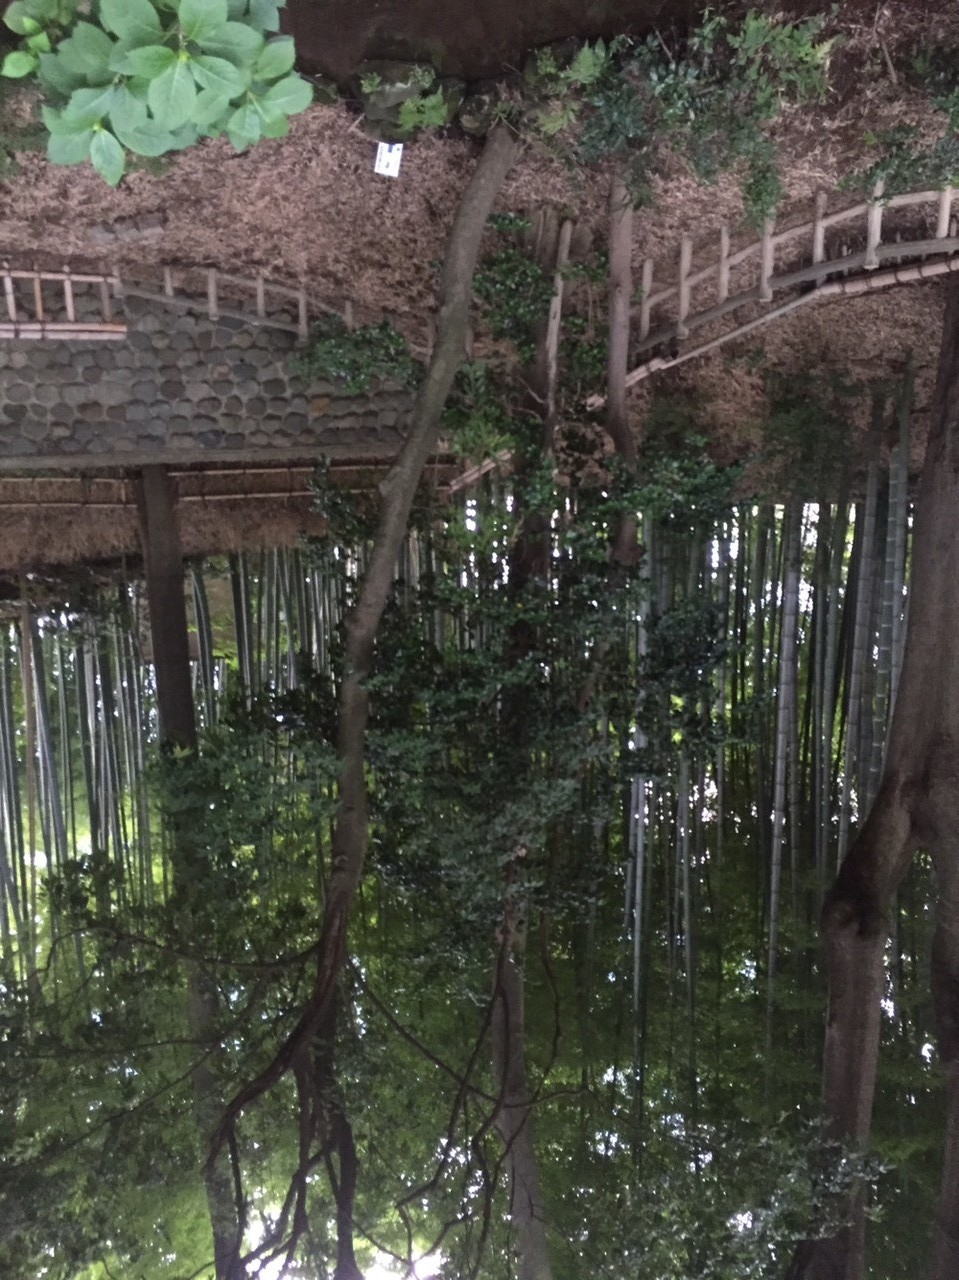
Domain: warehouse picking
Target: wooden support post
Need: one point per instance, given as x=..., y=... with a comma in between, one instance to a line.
x=945, y=209
x=646, y=289
x=260, y=297
x=106, y=306
x=38, y=296
x=723, y=289
x=211, y=298
x=168, y=282
x=685, y=262
x=68, y=295
x=767, y=263
x=874, y=227
x=818, y=230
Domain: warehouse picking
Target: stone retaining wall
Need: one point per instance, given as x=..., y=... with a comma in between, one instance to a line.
x=180, y=389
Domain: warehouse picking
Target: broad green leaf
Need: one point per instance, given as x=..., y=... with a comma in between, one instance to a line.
x=88, y=106
x=18, y=19
x=210, y=110
x=223, y=77
x=265, y=15
x=244, y=127
x=276, y=59
x=55, y=76
x=18, y=64
x=287, y=97
x=145, y=140
x=40, y=43
x=69, y=148
x=202, y=19
x=276, y=127
x=236, y=41
x=107, y=156
x=172, y=95
x=92, y=46
x=150, y=61
x=127, y=111
x=136, y=22
x=63, y=126
x=236, y=8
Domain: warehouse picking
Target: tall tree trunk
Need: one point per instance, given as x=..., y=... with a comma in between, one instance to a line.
x=514, y=1113
x=917, y=803
x=171, y=661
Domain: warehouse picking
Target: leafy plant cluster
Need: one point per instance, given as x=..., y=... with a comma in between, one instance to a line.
x=154, y=76
x=355, y=359
x=711, y=100
x=514, y=291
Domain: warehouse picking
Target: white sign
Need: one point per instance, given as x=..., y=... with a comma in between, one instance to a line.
x=388, y=157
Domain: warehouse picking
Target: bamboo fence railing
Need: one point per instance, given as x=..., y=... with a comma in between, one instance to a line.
x=70, y=306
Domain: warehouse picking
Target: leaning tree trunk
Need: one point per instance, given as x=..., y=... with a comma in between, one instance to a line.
x=351, y=831
x=917, y=804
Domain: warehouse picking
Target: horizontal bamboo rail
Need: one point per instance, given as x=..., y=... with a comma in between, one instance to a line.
x=43, y=305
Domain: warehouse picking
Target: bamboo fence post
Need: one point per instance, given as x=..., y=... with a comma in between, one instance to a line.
x=9, y=294
x=767, y=261
x=945, y=209
x=685, y=262
x=646, y=289
x=874, y=227
x=819, y=230
x=38, y=295
x=348, y=317
x=211, y=298
x=302, y=316
x=68, y=295
x=260, y=297
x=723, y=287
x=168, y=282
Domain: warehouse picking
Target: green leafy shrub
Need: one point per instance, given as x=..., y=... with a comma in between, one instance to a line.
x=154, y=76
x=515, y=293
x=356, y=358
x=712, y=100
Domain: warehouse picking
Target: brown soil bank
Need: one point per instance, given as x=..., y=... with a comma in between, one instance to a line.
x=468, y=38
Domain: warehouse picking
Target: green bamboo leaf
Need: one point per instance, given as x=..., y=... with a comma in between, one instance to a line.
x=135, y=21
x=107, y=156
x=18, y=64
x=225, y=78
x=69, y=148
x=235, y=41
x=150, y=61
x=202, y=19
x=287, y=97
x=172, y=95
x=276, y=59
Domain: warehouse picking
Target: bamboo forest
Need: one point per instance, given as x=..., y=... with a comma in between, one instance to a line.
x=607, y=797
x=479, y=665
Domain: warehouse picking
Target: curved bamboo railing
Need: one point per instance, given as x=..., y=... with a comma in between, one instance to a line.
x=733, y=280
